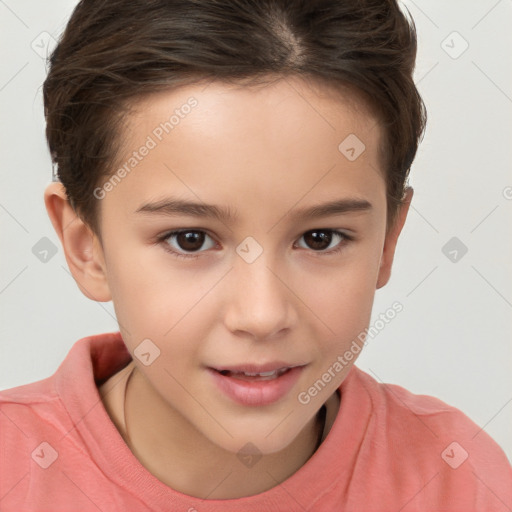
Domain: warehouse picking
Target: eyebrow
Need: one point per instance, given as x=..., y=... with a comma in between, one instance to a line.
x=170, y=207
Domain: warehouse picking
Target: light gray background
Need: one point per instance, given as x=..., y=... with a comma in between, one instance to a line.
x=452, y=340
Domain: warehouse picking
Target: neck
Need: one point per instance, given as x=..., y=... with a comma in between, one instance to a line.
x=184, y=459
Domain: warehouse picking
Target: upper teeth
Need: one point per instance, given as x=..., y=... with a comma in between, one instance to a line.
x=262, y=374
x=273, y=373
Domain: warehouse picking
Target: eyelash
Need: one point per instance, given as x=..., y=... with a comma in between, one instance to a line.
x=163, y=240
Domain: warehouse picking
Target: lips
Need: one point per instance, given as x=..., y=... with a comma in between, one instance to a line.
x=250, y=368
x=256, y=385
x=255, y=376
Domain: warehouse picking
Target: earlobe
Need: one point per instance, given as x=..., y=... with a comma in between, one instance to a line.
x=391, y=240
x=81, y=246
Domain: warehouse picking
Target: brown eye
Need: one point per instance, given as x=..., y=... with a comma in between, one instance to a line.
x=190, y=240
x=184, y=241
x=320, y=240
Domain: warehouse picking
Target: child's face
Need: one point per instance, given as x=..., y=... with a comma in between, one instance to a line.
x=265, y=154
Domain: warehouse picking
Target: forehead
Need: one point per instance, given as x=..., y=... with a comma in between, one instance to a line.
x=282, y=102
x=281, y=140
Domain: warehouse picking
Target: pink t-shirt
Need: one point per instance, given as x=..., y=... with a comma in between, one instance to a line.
x=388, y=450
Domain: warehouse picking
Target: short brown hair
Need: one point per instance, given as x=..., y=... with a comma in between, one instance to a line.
x=114, y=51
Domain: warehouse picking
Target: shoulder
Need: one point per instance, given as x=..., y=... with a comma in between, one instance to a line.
x=420, y=417
x=29, y=409
x=420, y=409
x=431, y=443
x=33, y=392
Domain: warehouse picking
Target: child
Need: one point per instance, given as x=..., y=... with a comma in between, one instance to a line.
x=279, y=134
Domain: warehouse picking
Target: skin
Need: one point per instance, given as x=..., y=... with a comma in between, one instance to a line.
x=264, y=152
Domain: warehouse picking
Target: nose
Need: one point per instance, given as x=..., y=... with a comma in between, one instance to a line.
x=260, y=301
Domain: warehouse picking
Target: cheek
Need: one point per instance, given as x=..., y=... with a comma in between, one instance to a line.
x=149, y=270
x=148, y=297
x=158, y=300
x=342, y=305
x=342, y=296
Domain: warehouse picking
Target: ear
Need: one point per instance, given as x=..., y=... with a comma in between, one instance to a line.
x=82, y=248
x=391, y=240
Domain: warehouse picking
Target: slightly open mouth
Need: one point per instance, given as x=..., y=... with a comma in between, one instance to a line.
x=254, y=376
x=256, y=389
